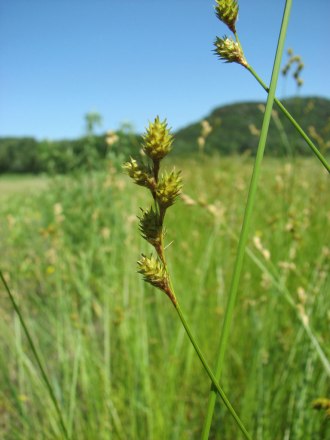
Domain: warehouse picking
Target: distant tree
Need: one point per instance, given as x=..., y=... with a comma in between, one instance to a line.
x=92, y=120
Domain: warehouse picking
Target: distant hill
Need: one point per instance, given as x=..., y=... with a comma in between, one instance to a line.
x=234, y=131
x=235, y=128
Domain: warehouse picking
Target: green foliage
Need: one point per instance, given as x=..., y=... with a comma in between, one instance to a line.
x=91, y=152
x=232, y=133
x=19, y=155
x=234, y=128
x=118, y=360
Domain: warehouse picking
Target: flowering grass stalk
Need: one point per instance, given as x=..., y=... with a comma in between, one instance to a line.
x=36, y=356
x=230, y=50
x=230, y=45
x=164, y=189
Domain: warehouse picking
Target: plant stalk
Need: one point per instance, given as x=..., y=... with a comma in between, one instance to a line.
x=309, y=142
x=208, y=370
x=36, y=356
x=247, y=220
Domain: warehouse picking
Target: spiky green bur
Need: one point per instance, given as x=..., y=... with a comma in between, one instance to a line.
x=157, y=142
x=150, y=227
x=229, y=51
x=140, y=173
x=154, y=273
x=227, y=12
x=168, y=188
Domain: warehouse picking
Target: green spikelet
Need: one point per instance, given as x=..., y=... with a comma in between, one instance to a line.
x=229, y=51
x=140, y=173
x=157, y=142
x=150, y=227
x=227, y=12
x=168, y=188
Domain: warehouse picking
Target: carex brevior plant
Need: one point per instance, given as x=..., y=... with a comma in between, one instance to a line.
x=230, y=50
x=164, y=188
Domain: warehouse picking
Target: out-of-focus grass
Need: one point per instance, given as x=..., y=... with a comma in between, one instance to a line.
x=21, y=184
x=117, y=357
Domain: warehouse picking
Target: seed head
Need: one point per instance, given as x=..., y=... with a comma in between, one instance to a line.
x=140, y=173
x=229, y=51
x=153, y=272
x=168, y=189
x=150, y=227
x=300, y=82
x=227, y=12
x=157, y=142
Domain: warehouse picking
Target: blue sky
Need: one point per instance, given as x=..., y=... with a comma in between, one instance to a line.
x=131, y=60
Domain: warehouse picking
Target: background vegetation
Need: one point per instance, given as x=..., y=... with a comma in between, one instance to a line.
x=118, y=358
x=234, y=130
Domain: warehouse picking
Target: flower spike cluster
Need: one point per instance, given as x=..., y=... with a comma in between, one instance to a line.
x=150, y=227
x=228, y=49
x=154, y=273
x=164, y=188
x=140, y=173
x=157, y=142
x=227, y=12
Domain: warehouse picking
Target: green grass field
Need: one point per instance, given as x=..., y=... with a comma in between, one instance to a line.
x=116, y=354
x=10, y=185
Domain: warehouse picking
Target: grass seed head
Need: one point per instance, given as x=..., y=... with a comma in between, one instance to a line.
x=150, y=227
x=157, y=142
x=153, y=272
x=168, y=189
x=140, y=173
x=229, y=51
x=227, y=12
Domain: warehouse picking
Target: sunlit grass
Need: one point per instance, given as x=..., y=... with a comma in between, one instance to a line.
x=116, y=357
x=16, y=184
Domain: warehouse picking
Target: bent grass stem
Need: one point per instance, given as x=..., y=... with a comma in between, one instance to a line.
x=288, y=115
x=309, y=142
x=36, y=356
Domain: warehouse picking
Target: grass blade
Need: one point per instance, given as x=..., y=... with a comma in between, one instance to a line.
x=247, y=218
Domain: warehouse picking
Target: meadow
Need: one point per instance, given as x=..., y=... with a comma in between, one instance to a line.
x=116, y=355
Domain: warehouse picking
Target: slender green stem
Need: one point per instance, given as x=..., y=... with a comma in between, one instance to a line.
x=208, y=370
x=309, y=142
x=238, y=41
x=36, y=356
x=215, y=384
x=247, y=219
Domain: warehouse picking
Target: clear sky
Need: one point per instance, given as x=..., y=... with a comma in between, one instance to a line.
x=130, y=60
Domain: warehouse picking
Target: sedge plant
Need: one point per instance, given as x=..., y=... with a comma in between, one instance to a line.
x=164, y=189
x=230, y=50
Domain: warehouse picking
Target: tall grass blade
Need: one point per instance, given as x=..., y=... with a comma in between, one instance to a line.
x=36, y=356
x=247, y=218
